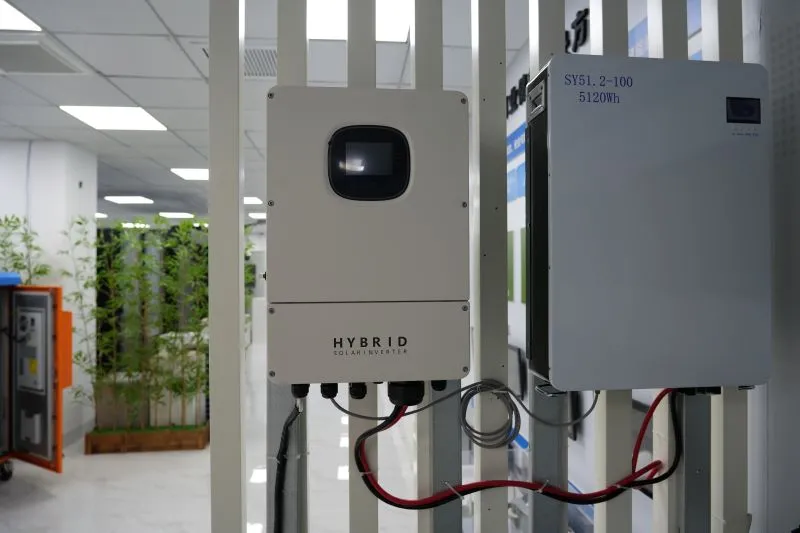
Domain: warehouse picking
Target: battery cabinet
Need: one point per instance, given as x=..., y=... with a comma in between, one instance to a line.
x=649, y=209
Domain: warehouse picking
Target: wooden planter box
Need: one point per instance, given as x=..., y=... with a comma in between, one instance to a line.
x=148, y=440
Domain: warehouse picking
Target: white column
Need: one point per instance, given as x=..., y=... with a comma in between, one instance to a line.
x=777, y=466
x=608, y=27
x=545, y=32
x=51, y=184
x=722, y=30
x=609, y=31
x=723, y=41
x=361, y=52
x=668, y=39
x=226, y=267
x=489, y=243
x=427, y=74
x=666, y=29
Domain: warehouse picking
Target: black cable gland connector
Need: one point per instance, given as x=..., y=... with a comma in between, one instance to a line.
x=358, y=391
x=406, y=393
x=300, y=390
x=329, y=390
x=439, y=385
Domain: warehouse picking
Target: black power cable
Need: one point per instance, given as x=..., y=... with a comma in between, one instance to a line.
x=397, y=413
x=280, y=471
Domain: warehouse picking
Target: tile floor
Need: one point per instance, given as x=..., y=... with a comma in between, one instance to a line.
x=169, y=492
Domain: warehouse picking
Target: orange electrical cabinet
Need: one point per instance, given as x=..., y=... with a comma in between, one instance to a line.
x=35, y=368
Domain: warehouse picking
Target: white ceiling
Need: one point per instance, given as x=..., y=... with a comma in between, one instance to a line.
x=149, y=53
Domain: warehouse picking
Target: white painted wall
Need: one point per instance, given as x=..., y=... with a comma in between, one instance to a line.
x=51, y=183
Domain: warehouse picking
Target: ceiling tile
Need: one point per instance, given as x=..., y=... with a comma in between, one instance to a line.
x=45, y=117
x=190, y=17
x=457, y=66
x=128, y=55
x=194, y=47
x=254, y=93
x=258, y=138
x=140, y=139
x=85, y=89
x=84, y=136
x=252, y=155
x=184, y=17
x=177, y=157
x=88, y=16
x=15, y=133
x=182, y=119
x=149, y=92
x=195, y=138
x=254, y=120
x=390, y=58
x=13, y=94
x=133, y=164
x=327, y=61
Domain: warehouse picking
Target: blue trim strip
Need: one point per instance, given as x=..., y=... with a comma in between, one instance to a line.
x=9, y=279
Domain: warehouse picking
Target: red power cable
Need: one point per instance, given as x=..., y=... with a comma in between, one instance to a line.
x=651, y=470
x=643, y=428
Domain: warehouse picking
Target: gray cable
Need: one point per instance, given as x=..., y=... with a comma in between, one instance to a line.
x=495, y=438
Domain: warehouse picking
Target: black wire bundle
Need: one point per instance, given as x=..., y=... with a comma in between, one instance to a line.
x=673, y=407
x=280, y=471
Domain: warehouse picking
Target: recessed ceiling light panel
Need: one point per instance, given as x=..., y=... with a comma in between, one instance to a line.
x=128, y=200
x=252, y=200
x=176, y=215
x=12, y=19
x=191, y=174
x=100, y=215
x=258, y=216
x=112, y=118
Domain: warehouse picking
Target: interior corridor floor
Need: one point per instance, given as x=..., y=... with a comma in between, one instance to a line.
x=169, y=492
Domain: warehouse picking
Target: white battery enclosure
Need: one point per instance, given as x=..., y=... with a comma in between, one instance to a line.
x=368, y=234
x=649, y=212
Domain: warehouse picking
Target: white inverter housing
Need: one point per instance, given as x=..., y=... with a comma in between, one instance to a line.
x=368, y=235
x=649, y=218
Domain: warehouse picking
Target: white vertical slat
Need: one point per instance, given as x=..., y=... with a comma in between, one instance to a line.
x=665, y=494
x=549, y=448
x=729, y=462
x=226, y=280
x=292, y=43
x=666, y=29
x=427, y=73
x=608, y=27
x=546, y=32
x=361, y=73
x=361, y=43
x=426, y=45
x=723, y=41
x=609, y=36
x=292, y=70
x=668, y=39
x=489, y=234
x=722, y=30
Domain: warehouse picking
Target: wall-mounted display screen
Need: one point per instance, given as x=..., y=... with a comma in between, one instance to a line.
x=744, y=110
x=369, y=163
x=368, y=158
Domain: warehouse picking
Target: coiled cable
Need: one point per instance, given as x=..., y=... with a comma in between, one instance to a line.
x=495, y=438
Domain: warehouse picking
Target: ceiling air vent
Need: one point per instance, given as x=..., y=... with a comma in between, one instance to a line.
x=36, y=54
x=259, y=63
